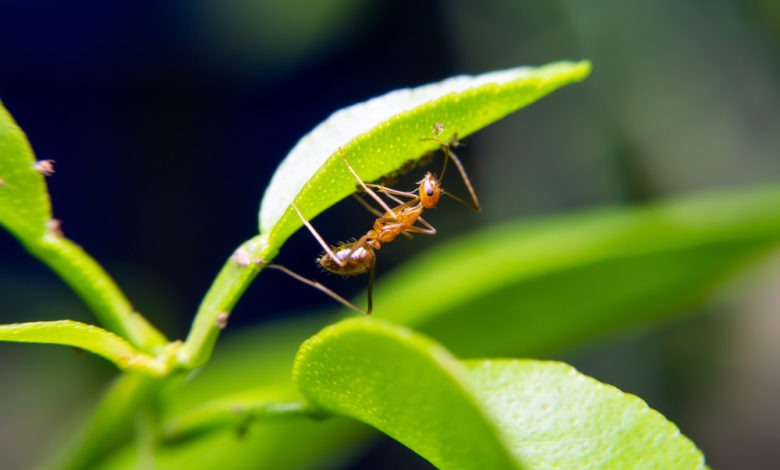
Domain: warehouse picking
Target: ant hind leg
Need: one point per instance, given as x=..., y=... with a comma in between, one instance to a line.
x=324, y=289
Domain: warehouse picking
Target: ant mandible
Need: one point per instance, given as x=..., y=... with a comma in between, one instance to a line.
x=356, y=258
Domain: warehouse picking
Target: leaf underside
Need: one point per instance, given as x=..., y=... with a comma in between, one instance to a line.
x=380, y=135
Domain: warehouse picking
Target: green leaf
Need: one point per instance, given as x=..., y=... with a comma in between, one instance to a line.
x=87, y=337
x=380, y=135
x=556, y=418
x=404, y=385
x=24, y=201
x=534, y=287
x=482, y=414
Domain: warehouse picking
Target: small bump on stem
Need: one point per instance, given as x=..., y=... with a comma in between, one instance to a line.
x=242, y=257
x=54, y=227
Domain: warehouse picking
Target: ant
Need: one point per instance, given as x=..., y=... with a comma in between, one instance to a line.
x=356, y=258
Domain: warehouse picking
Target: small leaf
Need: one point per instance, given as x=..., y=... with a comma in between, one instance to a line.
x=87, y=337
x=556, y=418
x=24, y=201
x=382, y=134
x=536, y=286
x=482, y=414
x=404, y=385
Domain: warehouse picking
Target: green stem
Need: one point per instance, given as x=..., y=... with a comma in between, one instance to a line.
x=96, y=288
x=146, y=441
x=110, y=424
x=230, y=413
x=231, y=282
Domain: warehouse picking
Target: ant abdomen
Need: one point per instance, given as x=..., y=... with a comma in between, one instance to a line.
x=353, y=262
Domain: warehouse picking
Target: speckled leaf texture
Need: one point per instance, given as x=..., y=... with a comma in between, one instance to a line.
x=555, y=417
x=500, y=414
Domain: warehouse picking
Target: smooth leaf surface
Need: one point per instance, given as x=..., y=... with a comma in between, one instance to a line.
x=557, y=418
x=404, y=385
x=87, y=337
x=534, y=287
x=382, y=134
x=24, y=201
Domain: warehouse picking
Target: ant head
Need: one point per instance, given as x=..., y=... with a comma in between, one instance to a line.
x=429, y=191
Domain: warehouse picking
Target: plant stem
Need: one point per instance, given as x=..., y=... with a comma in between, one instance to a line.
x=231, y=282
x=224, y=413
x=96, y=288
x=110, y=423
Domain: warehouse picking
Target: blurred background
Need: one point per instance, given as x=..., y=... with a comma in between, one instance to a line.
x=167, y=120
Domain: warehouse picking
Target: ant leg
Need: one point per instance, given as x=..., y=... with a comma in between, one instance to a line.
x=466, y=180
x=427, y=231
x=324, y=289
x=371, y=289
x=365, y=188
x=368, y=207
x=395, y=199
x=463, y=201
x=431, y=230
x=316, y=235
x=386, y=190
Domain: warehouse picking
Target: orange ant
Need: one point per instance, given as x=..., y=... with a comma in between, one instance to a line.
x=356, y=258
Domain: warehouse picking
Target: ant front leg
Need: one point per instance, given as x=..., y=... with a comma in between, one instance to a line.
x=389, y=191
x=371, y=290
